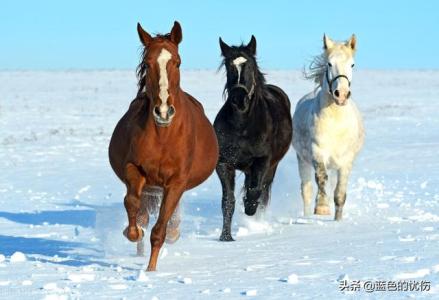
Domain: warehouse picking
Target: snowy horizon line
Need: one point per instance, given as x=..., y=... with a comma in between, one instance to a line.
x=203, y=69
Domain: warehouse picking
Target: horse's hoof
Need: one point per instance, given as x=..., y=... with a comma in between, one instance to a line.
x=150, y=269
x=172, y=236
x=338, y=216
x=322, y=210
x=134, y=234
x=226, y=238
x=140, y=249
x=307, y=213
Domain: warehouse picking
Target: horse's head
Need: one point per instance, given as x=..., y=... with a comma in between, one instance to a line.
x=159, y=72
x=340, y=62
x=242, y=72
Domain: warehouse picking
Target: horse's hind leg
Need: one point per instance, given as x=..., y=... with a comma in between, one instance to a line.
x=226, y=174
x=142, y=221
x=321, y=177
x=340, y=192
x=158, y=233
x=305, y=172
x=173, y=228
x=134, y=182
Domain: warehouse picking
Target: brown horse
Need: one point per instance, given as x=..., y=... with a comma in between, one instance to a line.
x=164, y=140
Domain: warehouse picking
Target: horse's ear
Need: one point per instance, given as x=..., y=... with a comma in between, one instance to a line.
x=176, y=33
x=144, y=36
x=225, y=49
x=352, y=42
x=251, y=47
x=327, y=42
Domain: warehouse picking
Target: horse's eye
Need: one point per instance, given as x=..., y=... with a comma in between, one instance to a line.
x=329, y=64
x=352, y=65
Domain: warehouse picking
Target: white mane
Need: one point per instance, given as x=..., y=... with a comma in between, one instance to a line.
x=316, y=69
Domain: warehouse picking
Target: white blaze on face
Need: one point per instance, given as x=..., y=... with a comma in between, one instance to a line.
x=238, y=62
x=162, y=60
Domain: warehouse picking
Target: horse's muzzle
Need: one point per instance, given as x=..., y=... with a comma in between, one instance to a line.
x=159, y=120
x=239, y=97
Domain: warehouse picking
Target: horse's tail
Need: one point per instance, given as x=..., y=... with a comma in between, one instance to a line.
x=151, y=199
x=268, y=182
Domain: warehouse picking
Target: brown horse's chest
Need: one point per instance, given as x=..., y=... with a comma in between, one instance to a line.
x=159, y=160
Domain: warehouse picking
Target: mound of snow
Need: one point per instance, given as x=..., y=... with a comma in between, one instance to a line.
x=411, y=275
x=293, y=279
x=51, y=286
x=55, y=297
x=254, y=226
x=18, y=257
x=186, y=280
x=142, y=276
x=80, y=277
x=118, y=286
x=250, y=293
x=242, y=231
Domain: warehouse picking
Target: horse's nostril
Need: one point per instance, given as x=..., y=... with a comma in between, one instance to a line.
x=349, y=95
x=157, y=110
x=337, y=93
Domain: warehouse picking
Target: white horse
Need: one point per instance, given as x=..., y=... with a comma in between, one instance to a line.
x=328, y=130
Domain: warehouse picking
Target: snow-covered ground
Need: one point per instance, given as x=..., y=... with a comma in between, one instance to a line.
x=61, y=205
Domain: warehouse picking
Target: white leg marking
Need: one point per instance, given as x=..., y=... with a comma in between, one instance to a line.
x=238, y=62
x=162, y=60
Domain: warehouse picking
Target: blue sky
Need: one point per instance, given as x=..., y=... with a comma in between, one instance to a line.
x=89, y=34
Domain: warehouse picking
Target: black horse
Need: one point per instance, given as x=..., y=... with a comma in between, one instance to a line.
x=254, y=132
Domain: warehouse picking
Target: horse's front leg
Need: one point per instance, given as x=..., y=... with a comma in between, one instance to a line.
x=321, y=177
x=171, y=197
x=226, y=173
x=254, y=184
x=135, y=182
x=340, y=192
